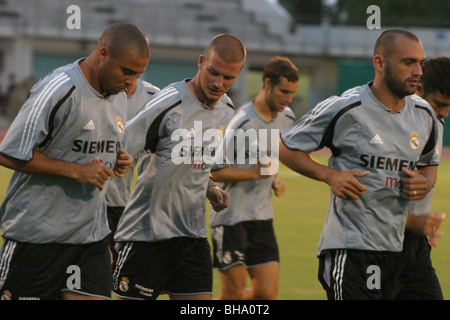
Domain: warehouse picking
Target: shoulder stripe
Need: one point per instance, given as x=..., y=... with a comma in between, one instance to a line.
x=163, y=94
x=327, y=102
x=242, y=124
x=152, y=138
x=290, y=117
x=425, y=109
x=327, y=139
x=55, y=109
x=238, y=116
x=429, y=146
x=230, y=105
x=35, y=112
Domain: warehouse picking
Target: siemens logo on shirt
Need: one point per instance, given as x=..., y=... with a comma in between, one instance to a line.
x=91, y=147
x=386, y=163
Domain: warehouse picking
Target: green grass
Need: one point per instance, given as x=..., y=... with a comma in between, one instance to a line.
x=299, y=216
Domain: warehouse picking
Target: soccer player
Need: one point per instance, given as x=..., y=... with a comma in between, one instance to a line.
x=162, y=232
x=377, y=133
x=243, y=234
x=419, y=280
x=64, y=146
x=119, y=190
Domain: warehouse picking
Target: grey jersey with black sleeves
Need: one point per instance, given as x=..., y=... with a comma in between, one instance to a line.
x=169, y=197
x=251, y=199
x=66, y=119
x=119, y=189
x=365, y=135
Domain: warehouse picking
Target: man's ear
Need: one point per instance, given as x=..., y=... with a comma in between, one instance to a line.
x=201, y=60
x=378, y=63
x=266, y=82
x=103, y=54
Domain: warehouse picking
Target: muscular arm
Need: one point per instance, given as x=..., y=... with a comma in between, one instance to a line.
x=230, y=174
x=342, y=184
x=93, y=173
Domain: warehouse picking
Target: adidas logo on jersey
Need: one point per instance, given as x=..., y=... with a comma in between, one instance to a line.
x=89, y=125
x=376, y=140
x=191, y=133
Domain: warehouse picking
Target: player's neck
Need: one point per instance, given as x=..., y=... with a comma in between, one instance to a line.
x=194, y=86
x=90, y=72
x=262, y=108
x=385, y=96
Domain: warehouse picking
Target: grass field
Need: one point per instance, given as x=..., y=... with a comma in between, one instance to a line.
x=299, y=216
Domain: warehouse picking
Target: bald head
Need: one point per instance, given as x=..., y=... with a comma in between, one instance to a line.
x=386, y=42
x=123, y=38
x=228, y=47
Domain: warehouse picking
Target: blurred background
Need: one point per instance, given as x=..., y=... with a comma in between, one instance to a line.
x=329, y=40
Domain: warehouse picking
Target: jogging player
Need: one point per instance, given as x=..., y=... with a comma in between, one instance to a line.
x=64, y=146
x=119, y=190
x=419, y=280
x=163, y=234
x=243, y=234
x=377, y=133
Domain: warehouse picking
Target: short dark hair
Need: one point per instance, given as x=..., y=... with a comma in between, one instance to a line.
x=436, y=75
x=385, y=42
x=229, y=47
x=278, y=67
x=124, y=38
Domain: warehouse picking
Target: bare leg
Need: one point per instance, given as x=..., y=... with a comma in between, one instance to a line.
x=265, y=281
x=233, y=282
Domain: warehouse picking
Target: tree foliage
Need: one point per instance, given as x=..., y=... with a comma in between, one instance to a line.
x=394, y=13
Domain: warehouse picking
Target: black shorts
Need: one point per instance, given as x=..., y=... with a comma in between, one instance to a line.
x=249, y=243
x=418, y=280
x=359, y=275
x=178, y=266
x=43, y=271
x=113, y=214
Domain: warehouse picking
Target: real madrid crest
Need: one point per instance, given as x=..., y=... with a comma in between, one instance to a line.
x=123, y=285
x=6, y=295
x=120, y=125
x=220, y=137
x=414, y=141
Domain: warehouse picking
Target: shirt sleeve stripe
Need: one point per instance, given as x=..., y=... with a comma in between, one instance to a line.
x=33, y=117
x=163, y=94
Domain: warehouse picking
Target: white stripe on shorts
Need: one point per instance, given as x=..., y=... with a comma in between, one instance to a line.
x=218, y=237
x=338, y=272
x=122, y=256
x=6, y=254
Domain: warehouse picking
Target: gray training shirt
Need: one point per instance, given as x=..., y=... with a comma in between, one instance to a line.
x=66, y=119
x=365, y=135
x=169, y=197
x=252, y=199
x=119, y=189
x=422, y=206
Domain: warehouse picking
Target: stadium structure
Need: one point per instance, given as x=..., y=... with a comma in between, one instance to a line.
x=35, y=38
